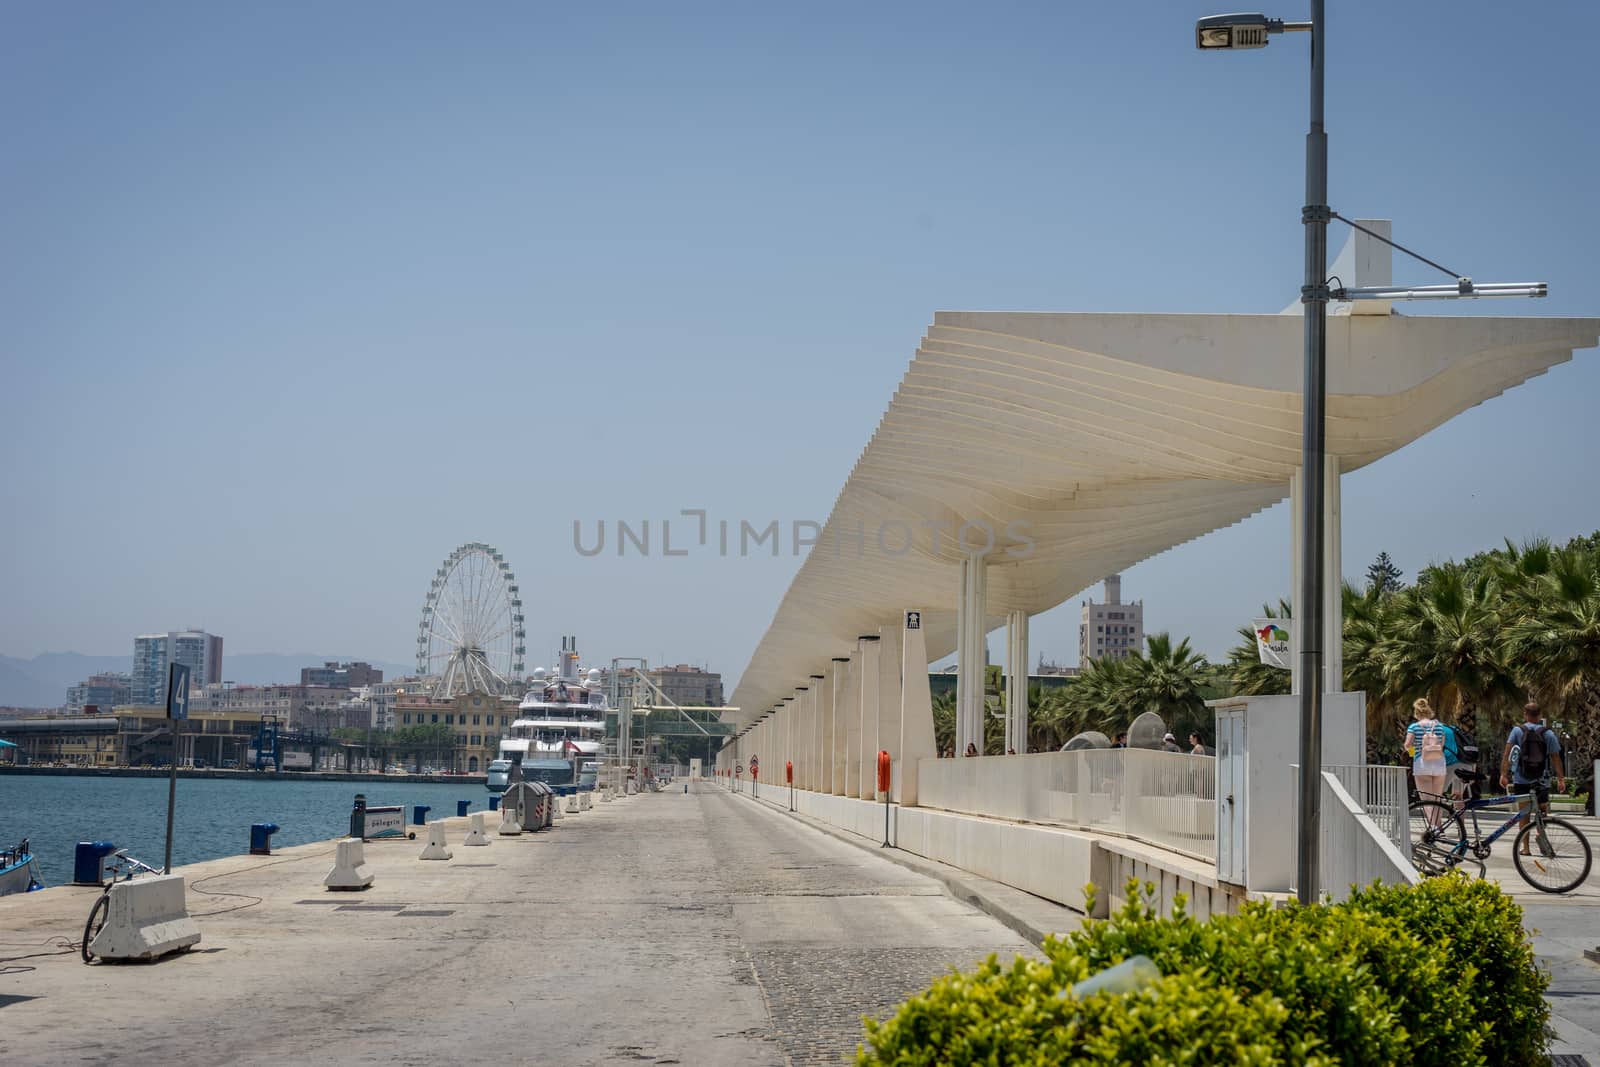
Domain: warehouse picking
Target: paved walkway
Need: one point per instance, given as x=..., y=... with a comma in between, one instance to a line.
x=669, y=928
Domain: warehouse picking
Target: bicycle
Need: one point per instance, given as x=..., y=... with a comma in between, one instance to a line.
x=121, y=867
x=1546, y=850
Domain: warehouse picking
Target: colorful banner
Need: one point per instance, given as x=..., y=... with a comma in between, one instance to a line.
x=1273, y=637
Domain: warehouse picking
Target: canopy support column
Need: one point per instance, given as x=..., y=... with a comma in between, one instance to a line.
x=1016, y=682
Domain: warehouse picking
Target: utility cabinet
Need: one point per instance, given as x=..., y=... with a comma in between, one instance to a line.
x=1258, y=744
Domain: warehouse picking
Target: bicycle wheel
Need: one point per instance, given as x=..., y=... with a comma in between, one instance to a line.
x=1558, y=858
x=1437, y=837
x=97, y=919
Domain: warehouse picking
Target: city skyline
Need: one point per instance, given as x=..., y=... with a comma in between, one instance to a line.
x=331, y=286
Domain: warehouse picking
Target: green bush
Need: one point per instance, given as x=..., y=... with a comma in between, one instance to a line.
x=1385, y=978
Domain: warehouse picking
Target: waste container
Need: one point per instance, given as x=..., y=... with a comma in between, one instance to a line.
x=419, y=813
x=462, y=806
x=89, y=862
x=261, y=838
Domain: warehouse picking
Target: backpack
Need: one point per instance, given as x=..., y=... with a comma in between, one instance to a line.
x=1431, y=744
x=1531, y=762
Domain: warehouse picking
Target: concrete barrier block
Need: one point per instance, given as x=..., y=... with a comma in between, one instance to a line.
x=510, y=820
x=475, y=834
x=572, y=804
x=585, y=801
x=350, y=870
x=437, y=847
x=149, y=917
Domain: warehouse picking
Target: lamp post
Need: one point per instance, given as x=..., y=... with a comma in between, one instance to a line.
x=1229, y=32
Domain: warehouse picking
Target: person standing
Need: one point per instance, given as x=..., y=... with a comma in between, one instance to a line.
x=1425, y=742
x=1197, y=747
x=1532, y=751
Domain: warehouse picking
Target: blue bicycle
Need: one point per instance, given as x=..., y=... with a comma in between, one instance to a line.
x=1552, y=855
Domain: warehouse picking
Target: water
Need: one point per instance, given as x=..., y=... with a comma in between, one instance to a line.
x=212, y=818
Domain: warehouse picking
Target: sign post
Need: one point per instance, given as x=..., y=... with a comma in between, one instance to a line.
x=177, y=711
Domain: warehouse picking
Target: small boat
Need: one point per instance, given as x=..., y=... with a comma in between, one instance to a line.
x=19, y=870
x=560, y=730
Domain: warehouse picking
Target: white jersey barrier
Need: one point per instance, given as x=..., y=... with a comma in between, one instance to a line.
x=350, y=869
x=437, y=847
x=475, y=834
x=148, y=918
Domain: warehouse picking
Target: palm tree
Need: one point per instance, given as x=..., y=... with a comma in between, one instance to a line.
x=1167, y=679
x=1443, y=642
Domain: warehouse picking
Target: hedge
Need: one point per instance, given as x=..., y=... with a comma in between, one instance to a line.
x=1436, y=974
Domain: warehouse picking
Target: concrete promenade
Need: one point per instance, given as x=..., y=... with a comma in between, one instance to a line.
x=666, y=928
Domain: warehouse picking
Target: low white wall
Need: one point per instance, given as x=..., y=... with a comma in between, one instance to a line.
x=1048, y=862
x=1354, y=850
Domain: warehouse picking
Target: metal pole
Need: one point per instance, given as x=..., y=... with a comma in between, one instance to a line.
x=1308, y=611
x=172, y=794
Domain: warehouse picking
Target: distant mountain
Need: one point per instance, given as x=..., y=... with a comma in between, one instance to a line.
x=43, y=681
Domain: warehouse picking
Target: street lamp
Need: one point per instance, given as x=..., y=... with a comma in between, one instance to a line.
x=1238, y=31
x=1241, y=31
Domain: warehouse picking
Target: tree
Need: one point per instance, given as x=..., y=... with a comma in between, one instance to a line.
x=1383, y=576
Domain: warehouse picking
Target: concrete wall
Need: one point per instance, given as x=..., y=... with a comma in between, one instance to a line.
x=1048, y=862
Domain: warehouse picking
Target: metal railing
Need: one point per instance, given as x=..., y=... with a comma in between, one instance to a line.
x=1166, y=799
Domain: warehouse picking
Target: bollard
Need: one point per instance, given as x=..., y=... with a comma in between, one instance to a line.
x=419, y=813
x=586, y=800
x=475, y=834
x=572, y=802
x=437, y=847
x=494, y=801
x=261, y=838
x=358, y=817
x=350, y=869
x=462, y=806
x=510, y=821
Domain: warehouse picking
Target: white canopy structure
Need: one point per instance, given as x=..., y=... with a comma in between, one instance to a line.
x=1099, y=440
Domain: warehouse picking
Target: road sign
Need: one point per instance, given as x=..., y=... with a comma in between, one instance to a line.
x=177, y=691
x=738, y=768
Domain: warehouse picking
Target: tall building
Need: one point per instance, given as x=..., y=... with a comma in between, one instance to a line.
x=153, y=653
x=342, y=675
x=687, y=684
x=1112, y=629
x=101, y=692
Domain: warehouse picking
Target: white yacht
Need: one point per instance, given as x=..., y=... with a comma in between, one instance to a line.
x=559, y=735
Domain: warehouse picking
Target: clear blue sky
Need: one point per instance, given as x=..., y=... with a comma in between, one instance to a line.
x=297, y=297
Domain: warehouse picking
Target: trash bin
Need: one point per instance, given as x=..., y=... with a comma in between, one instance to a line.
x=261, y=838
x=494, y=801
x=419, y=813
x=89, y=862
x=462, y=806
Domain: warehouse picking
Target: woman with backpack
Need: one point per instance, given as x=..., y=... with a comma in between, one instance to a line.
x=1426, y=742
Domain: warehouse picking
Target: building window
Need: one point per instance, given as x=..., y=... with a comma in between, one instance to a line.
x=436, y=716
x=408, y=718
x=449, y=720
x=475, y=722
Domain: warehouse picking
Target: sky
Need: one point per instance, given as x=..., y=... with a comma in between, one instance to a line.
x=296, y=298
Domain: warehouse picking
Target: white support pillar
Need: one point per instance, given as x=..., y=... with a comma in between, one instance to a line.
x=833, y=733
x=1296, y=517
x=867, y=692
x=848, y=711
x=971, y=633
x=814, y=731
x=1332, y=580
x=1017, y=681
x=916, y=706
x=888, y=699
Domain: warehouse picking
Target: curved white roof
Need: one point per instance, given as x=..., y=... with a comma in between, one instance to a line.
x=1112, y=438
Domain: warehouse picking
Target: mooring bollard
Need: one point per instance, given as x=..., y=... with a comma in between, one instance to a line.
x=419, y=813
x=462, y=806
x=494, y=801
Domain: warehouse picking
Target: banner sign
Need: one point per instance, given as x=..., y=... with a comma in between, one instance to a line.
x=1273, y=638
x=389, y=821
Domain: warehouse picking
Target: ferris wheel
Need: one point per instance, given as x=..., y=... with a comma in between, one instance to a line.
x=471, y=635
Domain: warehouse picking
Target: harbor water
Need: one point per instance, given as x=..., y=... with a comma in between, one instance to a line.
x=212, y=818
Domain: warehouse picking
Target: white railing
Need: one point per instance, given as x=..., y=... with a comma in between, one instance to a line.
x=1353, y=849
x=1383, y=795
x=1167, y=799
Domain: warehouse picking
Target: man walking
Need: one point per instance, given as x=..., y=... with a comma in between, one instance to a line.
x=1532, y=750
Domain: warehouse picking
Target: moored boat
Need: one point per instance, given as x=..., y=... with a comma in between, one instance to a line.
x=559, y=734
x=19, y=870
